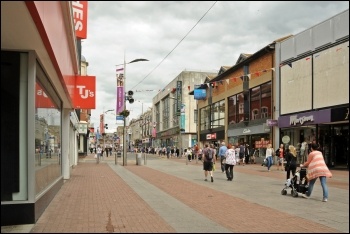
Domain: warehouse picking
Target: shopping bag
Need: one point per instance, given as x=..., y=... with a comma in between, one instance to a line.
x=213, y=166
x=95, y=156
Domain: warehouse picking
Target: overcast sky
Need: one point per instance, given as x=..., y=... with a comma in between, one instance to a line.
x=182, y=35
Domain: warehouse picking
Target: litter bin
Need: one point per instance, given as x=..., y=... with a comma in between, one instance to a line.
x=138, y=159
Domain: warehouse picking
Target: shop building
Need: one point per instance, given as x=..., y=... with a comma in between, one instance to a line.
x=40, y=68
x=245, y=93
x=174, y=112
x=314, y=90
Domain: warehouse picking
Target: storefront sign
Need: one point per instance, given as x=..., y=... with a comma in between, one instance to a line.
x=272, y=122
x=84, y=92
x=211, y=136
x=80, y=9
x=82, y=128
x=306, y=118
x=262, y=128
x=294, y=120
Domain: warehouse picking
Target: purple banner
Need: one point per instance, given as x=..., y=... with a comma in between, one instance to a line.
x=120, y=99
x=304, y=119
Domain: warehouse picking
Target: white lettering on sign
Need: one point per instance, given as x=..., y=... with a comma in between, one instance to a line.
x=87, y=94
x=294, y=120
x=246, y=130
x=40, y=92
x=347, y=113
x=78, y=15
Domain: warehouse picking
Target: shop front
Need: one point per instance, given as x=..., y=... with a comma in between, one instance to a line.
x=257, y=137
x=329, y=128
x=214, y=137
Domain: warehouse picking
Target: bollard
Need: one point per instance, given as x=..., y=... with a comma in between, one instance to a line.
x=144, y=159
x=138, y=159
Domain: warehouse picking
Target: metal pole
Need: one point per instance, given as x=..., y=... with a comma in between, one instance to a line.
x=125, y=159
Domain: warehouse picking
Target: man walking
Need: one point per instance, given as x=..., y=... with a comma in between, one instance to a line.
x=208, y=161
x=222, y=152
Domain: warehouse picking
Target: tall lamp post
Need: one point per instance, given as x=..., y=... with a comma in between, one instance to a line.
x=125, y=158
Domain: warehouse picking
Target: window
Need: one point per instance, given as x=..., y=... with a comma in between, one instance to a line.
x=255, y=102
x=255, y=114
x=264, y=112
x=204, y=118
x=218, y=114
x=166, y=113
x=47, y=133
x=235, y=108
x=260, y=101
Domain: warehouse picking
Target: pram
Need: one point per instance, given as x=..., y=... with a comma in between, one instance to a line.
x=298, y=183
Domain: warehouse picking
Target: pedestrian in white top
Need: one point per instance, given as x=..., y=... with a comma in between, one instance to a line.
x=230, y=161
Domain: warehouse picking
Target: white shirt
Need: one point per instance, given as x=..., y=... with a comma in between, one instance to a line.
x=268, y=152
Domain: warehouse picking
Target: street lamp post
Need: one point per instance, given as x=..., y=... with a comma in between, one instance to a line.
x=124, y=126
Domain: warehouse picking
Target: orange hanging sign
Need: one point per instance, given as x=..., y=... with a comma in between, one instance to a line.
x=84, y=92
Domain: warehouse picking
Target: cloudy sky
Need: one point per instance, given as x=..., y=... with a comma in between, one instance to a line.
x=182, y=35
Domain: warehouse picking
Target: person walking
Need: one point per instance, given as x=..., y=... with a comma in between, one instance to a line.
x=212, y=146
x=247, y=154
x=208, y=161
x=99, y=153
x=268, y=157
x=241, y=154
x=317, y=168
x=291, y=158
x=189, y=154
x=200, y=154
x=222, y=153
x=237, y=152
x=280, y=154
x=230, y=156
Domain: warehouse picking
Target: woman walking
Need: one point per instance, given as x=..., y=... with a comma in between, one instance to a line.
x=230, y=155
x=268, y=157
x=280, y=154
x=291, y=158
x=317, y=168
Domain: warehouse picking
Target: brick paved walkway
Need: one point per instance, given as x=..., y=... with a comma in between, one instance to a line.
x=108, y=198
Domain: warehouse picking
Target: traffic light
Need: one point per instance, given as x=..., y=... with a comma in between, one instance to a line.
x=106, y=126
x=129, y=97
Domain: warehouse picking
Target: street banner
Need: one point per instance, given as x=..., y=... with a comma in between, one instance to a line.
x=120, y=99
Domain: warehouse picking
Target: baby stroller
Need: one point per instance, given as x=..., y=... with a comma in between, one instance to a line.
x=298, y=183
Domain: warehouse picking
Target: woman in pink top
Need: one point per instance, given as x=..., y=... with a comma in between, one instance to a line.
x=317, y=168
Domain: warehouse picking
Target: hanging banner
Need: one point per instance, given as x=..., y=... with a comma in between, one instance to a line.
x=84, y=92
x=79, y=9
x=120, y=99
x=178, y=96
x=102, y=123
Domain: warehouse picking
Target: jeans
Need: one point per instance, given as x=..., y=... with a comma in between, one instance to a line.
x=222, y=164
x=323, y=180
x=269, y=162
x=292, y=168
x=229, y=171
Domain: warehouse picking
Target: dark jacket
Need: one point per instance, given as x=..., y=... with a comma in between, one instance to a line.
x=291, y=160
